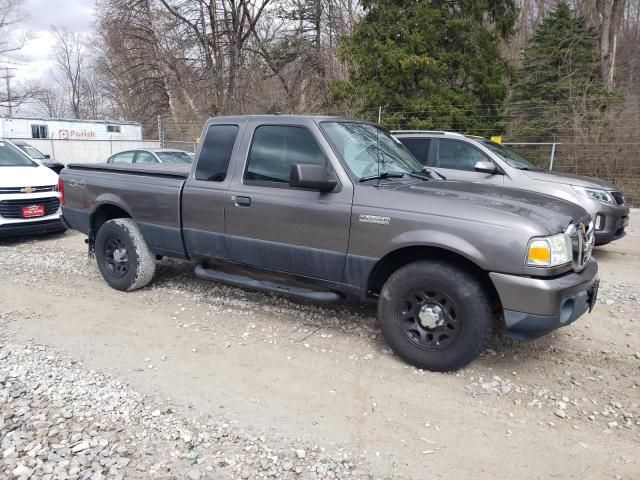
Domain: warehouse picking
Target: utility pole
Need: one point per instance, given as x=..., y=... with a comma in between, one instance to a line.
x=7, y=76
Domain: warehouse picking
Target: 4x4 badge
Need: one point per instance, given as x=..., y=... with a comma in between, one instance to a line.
x=377, y=219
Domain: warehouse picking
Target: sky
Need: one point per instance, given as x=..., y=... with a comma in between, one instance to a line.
x=35, y=60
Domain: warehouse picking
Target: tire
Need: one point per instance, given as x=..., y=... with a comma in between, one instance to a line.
x=435, y=315
x=123, y=257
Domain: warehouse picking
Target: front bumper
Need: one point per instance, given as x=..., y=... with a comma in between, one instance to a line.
x=534, y=307
x=614, y=219
x=30, y=228
x=615, y=224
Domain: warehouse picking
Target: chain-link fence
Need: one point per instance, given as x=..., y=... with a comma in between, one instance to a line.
x=85, y=151
x=605, y=148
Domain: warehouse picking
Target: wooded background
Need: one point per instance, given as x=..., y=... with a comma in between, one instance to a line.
x=530, y=70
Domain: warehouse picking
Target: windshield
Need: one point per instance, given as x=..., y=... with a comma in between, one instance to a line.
x=513, y=158
x=32, y=152
x=174, y=157
x=369, y=150
x=12, y=157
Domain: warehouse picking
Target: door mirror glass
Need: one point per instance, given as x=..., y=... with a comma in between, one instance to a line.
x=485, y=166
x=312, y=177
x=46, y=155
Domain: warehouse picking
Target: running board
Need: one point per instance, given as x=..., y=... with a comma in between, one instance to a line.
x=266, y=286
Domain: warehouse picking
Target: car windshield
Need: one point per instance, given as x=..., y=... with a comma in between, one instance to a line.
x=174, y=157
x=369, y=150
x=32, y=152
x=12, y=157
x=512, y=157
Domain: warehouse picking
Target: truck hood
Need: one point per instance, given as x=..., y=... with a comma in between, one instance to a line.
x=569, y=179
x=488, y=203
x=27, y=176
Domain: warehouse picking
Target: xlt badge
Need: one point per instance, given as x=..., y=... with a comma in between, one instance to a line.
x=377, y=219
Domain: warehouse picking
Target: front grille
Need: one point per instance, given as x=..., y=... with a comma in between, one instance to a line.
x=13, y=208
x=45, y=188
x=618, y=197
x=582, y=241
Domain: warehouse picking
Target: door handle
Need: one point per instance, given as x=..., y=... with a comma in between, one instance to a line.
x=242, y=201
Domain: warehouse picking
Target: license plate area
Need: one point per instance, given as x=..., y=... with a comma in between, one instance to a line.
x=30, y=211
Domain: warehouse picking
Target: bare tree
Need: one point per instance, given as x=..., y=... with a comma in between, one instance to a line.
x=12, y=39
x=610, y=16
x=69, y=54
x=51, y=102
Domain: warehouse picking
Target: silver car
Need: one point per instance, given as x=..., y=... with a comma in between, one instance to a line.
x=151, y=155
x=476, y=159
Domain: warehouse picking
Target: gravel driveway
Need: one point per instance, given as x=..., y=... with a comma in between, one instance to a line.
x=196, y=380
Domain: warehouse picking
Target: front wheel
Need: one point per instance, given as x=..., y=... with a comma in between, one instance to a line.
x=124, y=259
x=435, y=315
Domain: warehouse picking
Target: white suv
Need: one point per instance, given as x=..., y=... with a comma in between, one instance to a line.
x=29, y=196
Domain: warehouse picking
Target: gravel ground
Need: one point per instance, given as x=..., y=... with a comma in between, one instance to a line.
x=60, y=419
x=190, y=379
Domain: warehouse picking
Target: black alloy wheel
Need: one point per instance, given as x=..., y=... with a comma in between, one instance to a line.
x=429, y=318
x=116, y=256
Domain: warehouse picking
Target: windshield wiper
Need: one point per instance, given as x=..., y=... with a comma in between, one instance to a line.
x=430, y=171
x=382, y=176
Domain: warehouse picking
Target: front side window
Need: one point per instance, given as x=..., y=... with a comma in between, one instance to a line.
x=215, y=154
x=12, y=157
x=124, y=157
x=113, y=128
x=146, y=157
x=39, y=131
x=276, y=148
x=368, y=149
x=458, y=155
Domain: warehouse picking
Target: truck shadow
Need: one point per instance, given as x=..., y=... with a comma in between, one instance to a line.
x=349, y=316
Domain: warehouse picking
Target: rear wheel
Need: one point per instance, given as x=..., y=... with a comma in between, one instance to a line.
x=435, y=315
x=124, y=259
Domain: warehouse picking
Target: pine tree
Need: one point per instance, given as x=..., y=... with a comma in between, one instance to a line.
x=429, y=64
x=558, y=83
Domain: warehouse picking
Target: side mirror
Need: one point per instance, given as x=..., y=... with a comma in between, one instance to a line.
x=312, y=177
x=485, y=166
x=46, y=155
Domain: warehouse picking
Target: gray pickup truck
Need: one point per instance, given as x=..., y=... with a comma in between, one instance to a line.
x=320, y=208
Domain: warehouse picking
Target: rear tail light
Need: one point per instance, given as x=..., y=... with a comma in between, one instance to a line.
x=61, y=190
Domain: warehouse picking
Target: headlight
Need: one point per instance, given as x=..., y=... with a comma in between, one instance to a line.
x=549, y=251
x=595, y=193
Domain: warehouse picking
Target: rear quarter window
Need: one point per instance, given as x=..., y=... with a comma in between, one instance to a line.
x=215, y=154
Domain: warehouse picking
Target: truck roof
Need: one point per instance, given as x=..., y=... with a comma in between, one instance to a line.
x=271, y=117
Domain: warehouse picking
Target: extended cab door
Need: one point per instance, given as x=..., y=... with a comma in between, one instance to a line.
x=274, y=226
x=205, y=192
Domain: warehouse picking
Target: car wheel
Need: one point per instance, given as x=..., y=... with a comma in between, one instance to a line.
x=435, y=315
x=124, y=259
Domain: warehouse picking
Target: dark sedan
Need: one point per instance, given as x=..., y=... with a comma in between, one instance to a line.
x=36, y=154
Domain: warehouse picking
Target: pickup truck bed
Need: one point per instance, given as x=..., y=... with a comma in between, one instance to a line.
x=154, y=170
x=150, y=192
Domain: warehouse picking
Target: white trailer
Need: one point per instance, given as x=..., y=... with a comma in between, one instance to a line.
x=26, y=128
x=75, y=141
